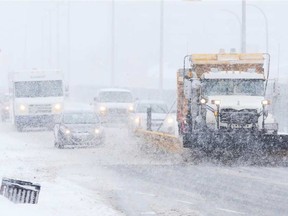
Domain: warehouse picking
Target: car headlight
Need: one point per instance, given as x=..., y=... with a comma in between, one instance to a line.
x=131, y=108
x=265, y=102
x=170, y=120
x=67, y=131
x=22, y=107
x=57, y=106
x=102, y=108
x=97, y=131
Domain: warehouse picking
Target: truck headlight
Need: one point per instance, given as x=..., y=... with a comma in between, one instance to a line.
x=131, y=108
x=137, y=120
x=203, y=101
x=22, y=107
x=216, y=102
x=7, y=108
x=67, y=131
x=265, y=102
x=57, y=106
x=102, y=108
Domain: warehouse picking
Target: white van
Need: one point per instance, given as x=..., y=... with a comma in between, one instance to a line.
x=114, y=104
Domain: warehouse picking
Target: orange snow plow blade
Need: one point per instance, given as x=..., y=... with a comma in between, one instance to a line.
x=165, y=141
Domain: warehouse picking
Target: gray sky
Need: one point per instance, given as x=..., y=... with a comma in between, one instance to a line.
x=75, y=37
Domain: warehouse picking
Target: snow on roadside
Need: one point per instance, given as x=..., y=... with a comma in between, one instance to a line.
x=29, y=157
x=59, y=199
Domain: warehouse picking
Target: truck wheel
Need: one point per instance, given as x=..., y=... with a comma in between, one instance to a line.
x=58, y=143
x=19, y=128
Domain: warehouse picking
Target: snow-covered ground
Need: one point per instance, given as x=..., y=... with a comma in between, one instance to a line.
x=117, y=178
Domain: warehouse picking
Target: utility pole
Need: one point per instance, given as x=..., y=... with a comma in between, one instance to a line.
x=243, y=30
x=58, y=35
x=68, y=40
x=266, y=25
x=112, y=81
x=161, y=46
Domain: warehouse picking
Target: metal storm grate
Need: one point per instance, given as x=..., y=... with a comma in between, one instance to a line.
x=20, y=191
x=40, y=108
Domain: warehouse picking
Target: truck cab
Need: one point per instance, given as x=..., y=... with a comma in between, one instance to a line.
x=37, y=98
x=114, y=104
x=221, y=101
x=239, y=97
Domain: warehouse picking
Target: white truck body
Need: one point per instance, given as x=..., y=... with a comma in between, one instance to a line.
x=37, y=98
x=161, y=119
x=114, y=104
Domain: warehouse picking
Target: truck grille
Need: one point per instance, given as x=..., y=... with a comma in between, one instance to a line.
x=117, y=111
x=40, y=108
x=241, y=117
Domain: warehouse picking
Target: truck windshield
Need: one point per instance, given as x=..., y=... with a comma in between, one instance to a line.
x=80, y=118
x=49, y=88
x=234, y=87
x=115, y=97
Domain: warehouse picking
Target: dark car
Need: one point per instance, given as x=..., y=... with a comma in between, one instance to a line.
x=78, y=128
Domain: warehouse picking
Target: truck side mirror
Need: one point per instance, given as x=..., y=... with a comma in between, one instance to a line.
x=57, y=120
x=66, y=91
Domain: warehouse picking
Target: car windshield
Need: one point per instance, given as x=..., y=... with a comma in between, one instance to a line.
x=233, y=87
x=80, y=118
x=115, y=97
x=155, y=108
x=51, y=88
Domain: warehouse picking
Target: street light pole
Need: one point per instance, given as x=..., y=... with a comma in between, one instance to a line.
x=243, y=30
x=243, y=26
x=68, y=41
x=240, y=25
x=266, y=25
x=112, y=81
x=113, y=44
x=161, y=46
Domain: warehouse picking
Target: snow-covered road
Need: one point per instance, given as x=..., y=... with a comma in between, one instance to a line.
x=118, y=178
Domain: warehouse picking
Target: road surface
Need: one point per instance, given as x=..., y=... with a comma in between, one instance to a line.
x=118, y=178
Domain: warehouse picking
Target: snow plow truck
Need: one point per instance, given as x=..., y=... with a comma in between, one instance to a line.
x=221, y=103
